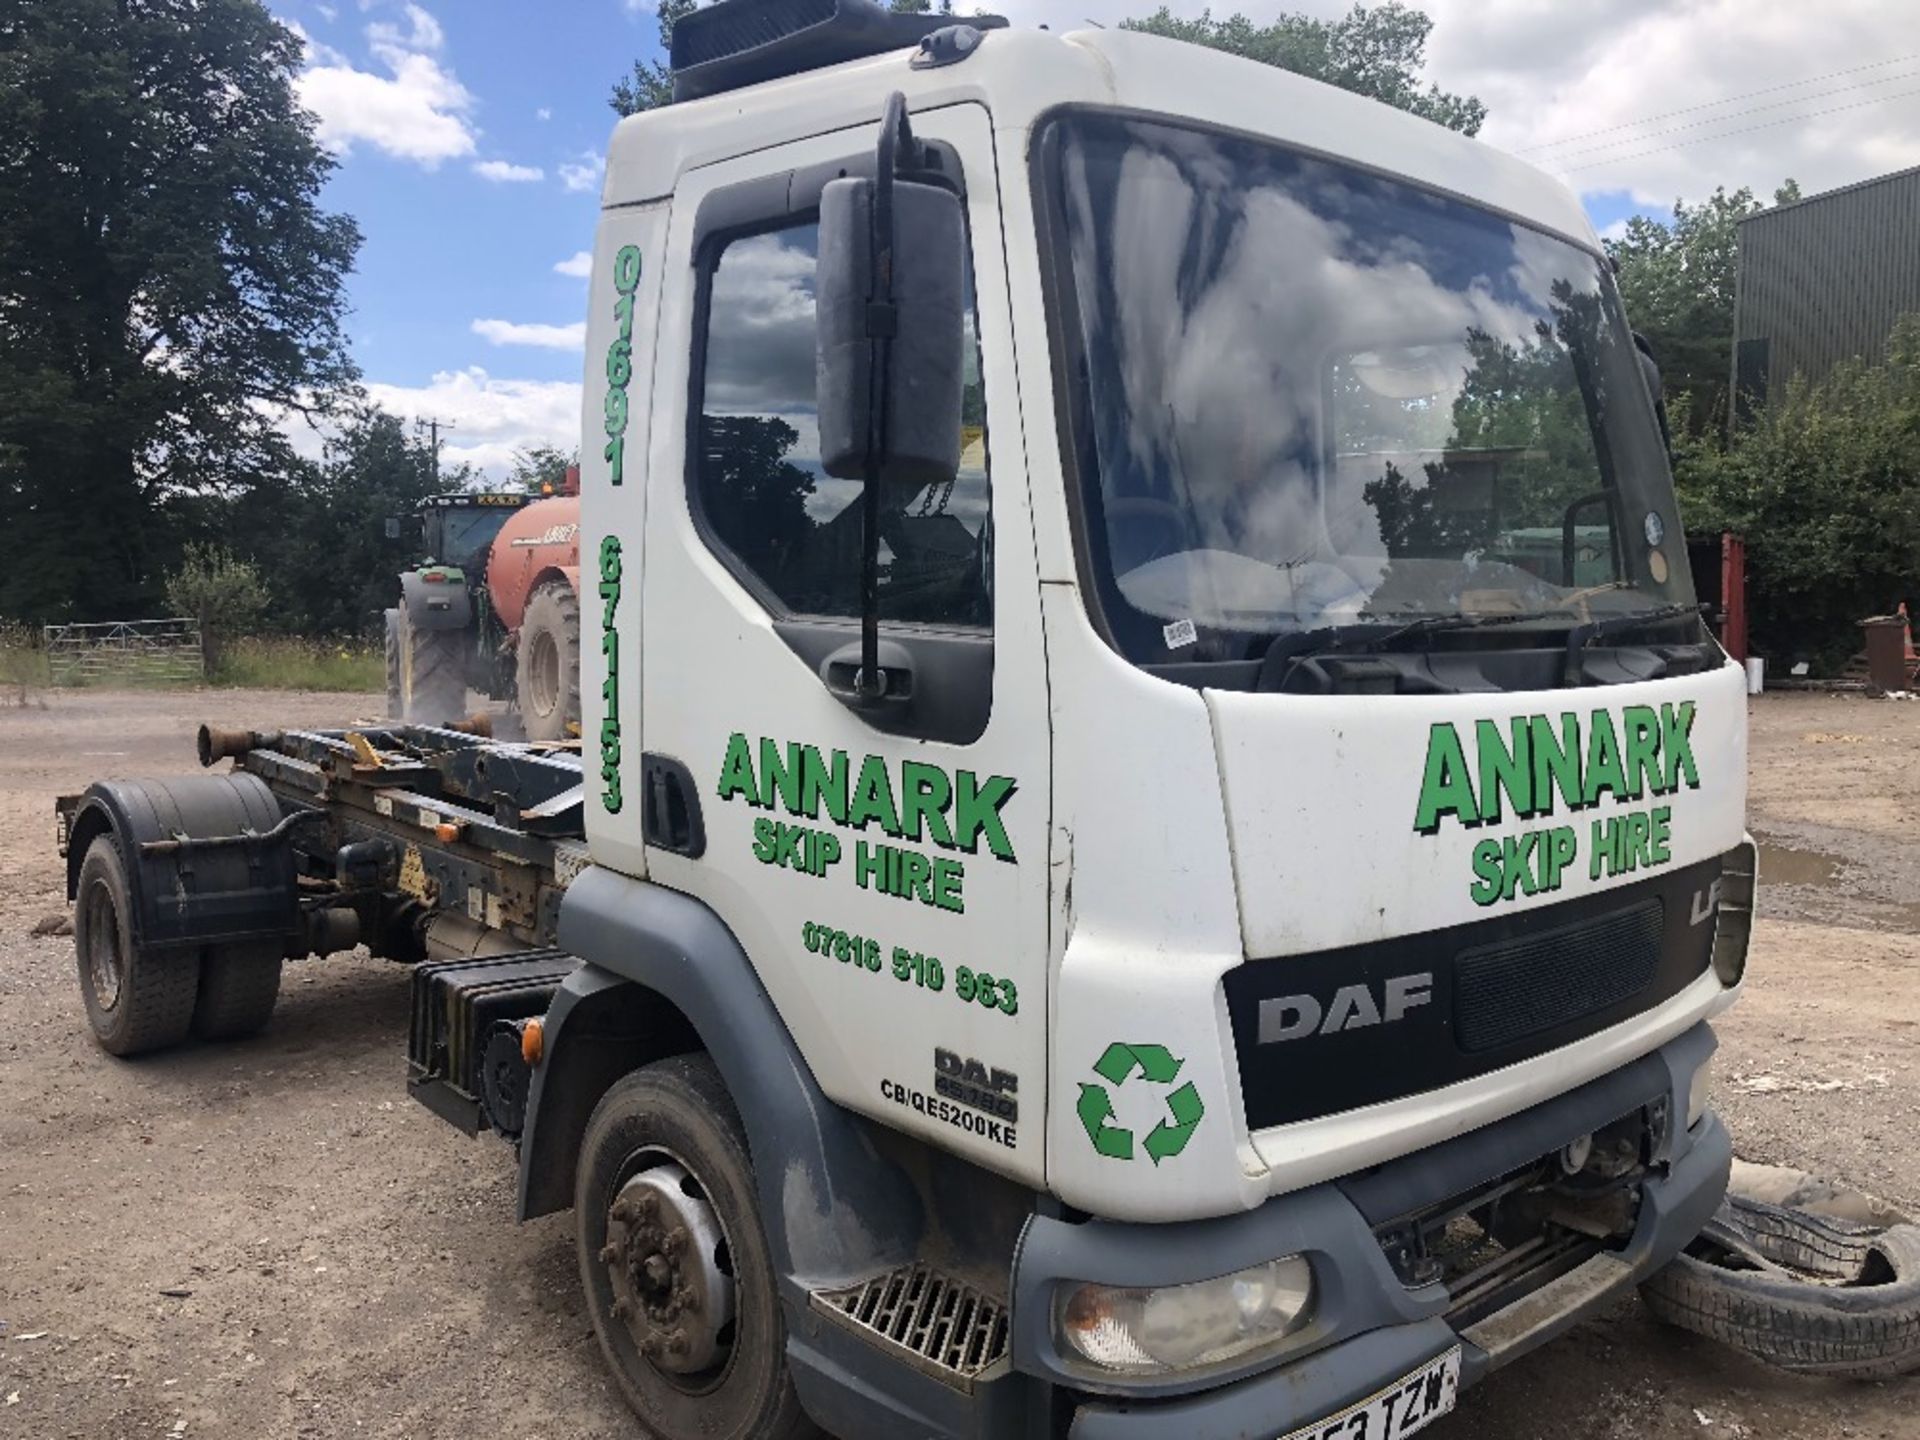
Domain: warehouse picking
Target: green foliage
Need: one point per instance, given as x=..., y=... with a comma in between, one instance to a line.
x=283, y=662
x=1376, y=51
x=651, y=84
x=224, y=593
x=166, y=277
x=540, y=465
x=322, y=540
x=1825, y=486
x=1677, y=279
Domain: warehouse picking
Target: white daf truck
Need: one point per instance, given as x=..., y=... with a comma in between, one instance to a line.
x=1159, y=830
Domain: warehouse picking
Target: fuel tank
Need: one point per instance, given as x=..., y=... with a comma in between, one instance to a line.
x=536, y=542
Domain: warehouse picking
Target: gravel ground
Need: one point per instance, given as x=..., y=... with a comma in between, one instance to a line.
x=268, y=1239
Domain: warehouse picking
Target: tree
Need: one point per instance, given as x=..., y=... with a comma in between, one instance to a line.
x=223, y=592
x=651, y=84
x=167, y=280
x=1376, y=51
x=321, y=543
x=540, y=466
x=1825, y=485
x=1677, y=279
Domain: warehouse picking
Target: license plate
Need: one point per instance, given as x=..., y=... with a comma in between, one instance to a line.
x=1404, y=1407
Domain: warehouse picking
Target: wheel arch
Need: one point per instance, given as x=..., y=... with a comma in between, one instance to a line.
x=830, y=1199
x=237, y=893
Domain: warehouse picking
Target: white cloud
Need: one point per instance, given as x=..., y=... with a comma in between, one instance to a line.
x=328, y=13
x=583, y=174
x=1555, y=77
x=543, y=113
x=1615, y=231
x=544, y=337
x=491, y=417
x=1550, y=70
x=423, y=32
x=318, y=51
x=579, y=265
x=503, y=171
x=417, y=113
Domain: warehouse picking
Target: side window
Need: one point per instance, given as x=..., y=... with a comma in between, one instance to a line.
x=757, y=476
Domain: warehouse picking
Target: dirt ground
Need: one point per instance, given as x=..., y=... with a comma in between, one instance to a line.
x=269, y=1239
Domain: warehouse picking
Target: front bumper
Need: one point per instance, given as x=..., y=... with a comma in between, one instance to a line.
x=1369, y=1328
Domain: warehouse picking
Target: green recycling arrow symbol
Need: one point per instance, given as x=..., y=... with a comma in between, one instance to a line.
x=1157, y=1065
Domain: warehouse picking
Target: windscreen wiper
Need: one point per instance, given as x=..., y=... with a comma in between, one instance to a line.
x=1585, y=633
x=1368, y=636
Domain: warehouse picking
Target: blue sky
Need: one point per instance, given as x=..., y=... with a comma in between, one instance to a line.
x=469, y=134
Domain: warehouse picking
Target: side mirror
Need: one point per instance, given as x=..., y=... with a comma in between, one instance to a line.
x=891, y=347
x=889, y=291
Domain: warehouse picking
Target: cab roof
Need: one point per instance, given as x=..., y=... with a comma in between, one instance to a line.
x=1021, y=75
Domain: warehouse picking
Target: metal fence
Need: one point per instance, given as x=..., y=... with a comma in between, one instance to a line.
x=151, y=652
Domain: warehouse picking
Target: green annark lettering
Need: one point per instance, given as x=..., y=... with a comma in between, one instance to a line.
x=1533, y=765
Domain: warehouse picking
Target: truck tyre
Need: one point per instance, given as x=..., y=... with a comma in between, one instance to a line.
x=1799, y=1291
x=136, y=1000
x=665, y=1152
x=238, y=986
x=435, y=664
x=396, y=691
x=548, y=682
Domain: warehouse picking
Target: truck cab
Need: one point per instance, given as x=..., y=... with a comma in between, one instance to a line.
x=1268, y=852
x=1159, y=832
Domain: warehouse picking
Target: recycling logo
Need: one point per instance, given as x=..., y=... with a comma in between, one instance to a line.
x=1156, y=1065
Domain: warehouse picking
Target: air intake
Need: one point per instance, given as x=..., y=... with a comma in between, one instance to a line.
x=742, y=42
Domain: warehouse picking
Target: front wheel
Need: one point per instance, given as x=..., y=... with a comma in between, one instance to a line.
x=675, y=1263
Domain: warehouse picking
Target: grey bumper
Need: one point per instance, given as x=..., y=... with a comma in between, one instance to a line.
x=1369, y=1329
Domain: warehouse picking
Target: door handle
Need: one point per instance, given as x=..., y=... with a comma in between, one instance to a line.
x=840, y=673
x=670, y=807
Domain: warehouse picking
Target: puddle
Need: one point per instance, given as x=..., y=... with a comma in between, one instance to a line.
x=1788, y=865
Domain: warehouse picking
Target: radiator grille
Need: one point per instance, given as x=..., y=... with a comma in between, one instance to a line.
x=1515, y=990
x=948, y=1328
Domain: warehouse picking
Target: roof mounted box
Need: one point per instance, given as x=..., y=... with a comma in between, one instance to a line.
x=742, y=42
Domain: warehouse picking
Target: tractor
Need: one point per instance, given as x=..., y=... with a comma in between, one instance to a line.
x=493, y=606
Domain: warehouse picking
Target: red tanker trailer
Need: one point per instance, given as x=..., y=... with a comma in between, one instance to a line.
x=495, y=607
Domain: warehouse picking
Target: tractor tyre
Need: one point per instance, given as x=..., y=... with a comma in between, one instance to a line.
x=136, y=999
x=548, y=683
x=396, y=668
x=238, y=986
x=434, y=674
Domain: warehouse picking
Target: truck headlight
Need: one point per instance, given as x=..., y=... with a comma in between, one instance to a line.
x=1699, y=1092
x=1129, y=1331
x=1733, y=924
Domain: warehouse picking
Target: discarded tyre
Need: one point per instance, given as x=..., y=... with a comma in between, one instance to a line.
x=1799, y=1291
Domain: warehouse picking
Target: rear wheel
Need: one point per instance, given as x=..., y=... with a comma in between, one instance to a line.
x=675, y=1264
x=136, y=1000
x=435, y=674
x=238, y=987
x=549, y=674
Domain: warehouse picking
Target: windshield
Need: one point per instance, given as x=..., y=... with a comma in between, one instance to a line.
x=1303, y=395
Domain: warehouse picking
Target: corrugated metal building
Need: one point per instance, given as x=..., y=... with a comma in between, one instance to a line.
x=1822, y=280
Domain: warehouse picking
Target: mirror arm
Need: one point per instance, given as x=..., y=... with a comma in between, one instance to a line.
x=896, y=145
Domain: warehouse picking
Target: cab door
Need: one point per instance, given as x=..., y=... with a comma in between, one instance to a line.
x=884, y=869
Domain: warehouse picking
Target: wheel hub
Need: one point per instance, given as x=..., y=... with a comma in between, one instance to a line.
x=662, y=1254
x=544, y=673
x=103, y=947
